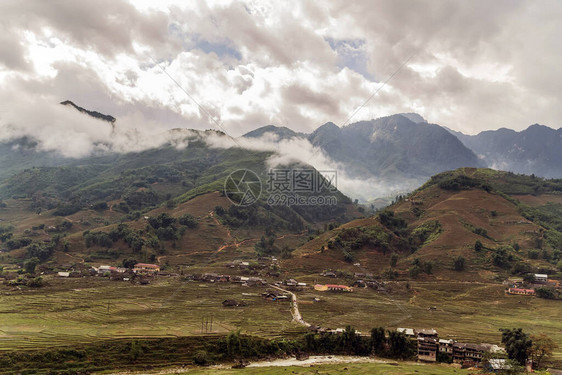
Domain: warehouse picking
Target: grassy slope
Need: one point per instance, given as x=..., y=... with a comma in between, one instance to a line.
x=458, y=212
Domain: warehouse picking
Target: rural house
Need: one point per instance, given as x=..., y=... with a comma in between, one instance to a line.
x=333, y=288
x=446, y=346
x=520, y=291
x=467, y=352
x=427, y=349
x=145, y=268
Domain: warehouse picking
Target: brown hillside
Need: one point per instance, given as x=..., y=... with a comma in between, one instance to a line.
x=459, y=214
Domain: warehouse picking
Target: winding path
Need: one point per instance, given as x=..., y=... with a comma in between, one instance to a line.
x=297, y=317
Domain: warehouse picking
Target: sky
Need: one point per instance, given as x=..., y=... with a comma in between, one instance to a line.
x=238, y=65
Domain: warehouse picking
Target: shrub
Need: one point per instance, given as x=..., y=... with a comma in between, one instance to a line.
x=66, y=209
x=201, y=358
x=533, y=254
x=546, y=293
x=36, y=282
x=414, y=271
x=188, y=220
x=478, y=245
x=459, y=263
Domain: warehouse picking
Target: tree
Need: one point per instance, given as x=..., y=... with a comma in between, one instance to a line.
x=529, y=278
x=459, y=263
x=428, y=267
x=349, y=339
x=399, y=346
x=129, y=263
x=377, y=339
x=414, y=271
x=546, y=293
x=188, y=220
x=517, y=344
x=286, y=252
x=541, y=348
x=393, y=260
x=30, y=265
x=478, y=245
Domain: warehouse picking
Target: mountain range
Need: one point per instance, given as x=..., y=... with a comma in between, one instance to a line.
x=535, y=150
x=406, y=146
x=401, y=151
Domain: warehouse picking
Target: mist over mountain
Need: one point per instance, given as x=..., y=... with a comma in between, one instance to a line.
x=279, y=132
x=377, y=158
x=535, y=150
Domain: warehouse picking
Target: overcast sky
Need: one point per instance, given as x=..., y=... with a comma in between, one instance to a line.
x=468, y=65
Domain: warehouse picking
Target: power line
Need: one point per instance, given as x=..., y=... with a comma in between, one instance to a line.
x=378, y=89
x=203, y=109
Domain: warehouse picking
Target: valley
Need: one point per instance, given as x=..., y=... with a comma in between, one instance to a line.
x=434, y=225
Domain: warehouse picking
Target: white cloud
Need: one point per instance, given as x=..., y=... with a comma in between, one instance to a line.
x=476, y=65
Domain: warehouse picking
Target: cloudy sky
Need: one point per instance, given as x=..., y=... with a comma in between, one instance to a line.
x=468, y=65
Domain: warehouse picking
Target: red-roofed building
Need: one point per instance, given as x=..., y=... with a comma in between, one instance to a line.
x=339, y=288
x=523, y=292
x=146, y=268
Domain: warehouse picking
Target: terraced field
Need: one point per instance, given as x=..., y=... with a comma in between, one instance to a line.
x=84, y=310
x=470, y=312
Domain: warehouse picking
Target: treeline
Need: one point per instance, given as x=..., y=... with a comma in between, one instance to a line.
x=164, y=352
x=510, y=258
x=159, y=228
x=257, y=215
x=388, y=344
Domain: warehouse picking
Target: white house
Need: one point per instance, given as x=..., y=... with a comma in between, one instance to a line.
x=541, y=277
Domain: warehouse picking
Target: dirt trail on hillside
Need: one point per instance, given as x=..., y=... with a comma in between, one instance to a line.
x=238, y=244
x=297, y=317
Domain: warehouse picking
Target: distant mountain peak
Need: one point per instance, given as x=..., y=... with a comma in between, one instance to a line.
x=282, y=132
x=94, y=114
x=414, y=117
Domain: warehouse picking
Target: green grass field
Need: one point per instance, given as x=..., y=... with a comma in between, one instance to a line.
x=468, y=312
x=76, y=311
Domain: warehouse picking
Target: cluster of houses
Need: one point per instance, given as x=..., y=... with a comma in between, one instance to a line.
x=362, y=280
x=144, y=269
x=210, y=277
x=540, y=280
x=429, y=345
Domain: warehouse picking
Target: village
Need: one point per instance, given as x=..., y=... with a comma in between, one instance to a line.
x=429, y=346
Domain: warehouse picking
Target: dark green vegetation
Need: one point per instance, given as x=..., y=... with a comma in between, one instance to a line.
x=203, y=350
x=96, y=194
x=144, y=354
